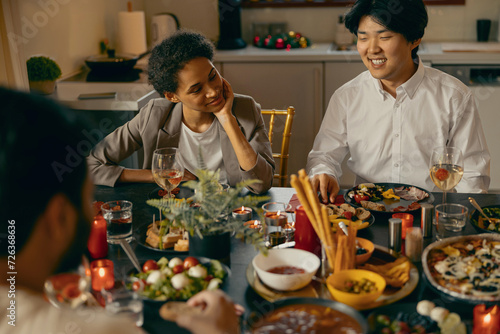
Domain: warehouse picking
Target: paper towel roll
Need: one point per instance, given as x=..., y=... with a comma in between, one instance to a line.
x=132, y=32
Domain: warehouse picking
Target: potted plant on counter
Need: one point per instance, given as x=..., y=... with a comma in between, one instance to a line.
x=208, y=218
x=42, y=74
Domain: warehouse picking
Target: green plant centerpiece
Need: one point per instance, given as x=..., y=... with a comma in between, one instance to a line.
x=42, y=74
x=209, y=211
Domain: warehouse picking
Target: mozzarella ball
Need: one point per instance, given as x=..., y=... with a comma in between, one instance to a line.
x=197, y=271
x=175, y=262
x=153, y=276
x=214, y=284
x=424, y=307
x=179, y=281
x=438, y=314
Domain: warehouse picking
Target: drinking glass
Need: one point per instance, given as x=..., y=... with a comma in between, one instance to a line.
x=166, y=169
x=446, y=168
x=118, y=216
x=122, y=301
x=450, y=220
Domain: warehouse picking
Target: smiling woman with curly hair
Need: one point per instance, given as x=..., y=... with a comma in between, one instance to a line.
x=199, y=109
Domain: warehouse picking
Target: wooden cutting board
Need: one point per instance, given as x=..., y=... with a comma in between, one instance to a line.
x=471, y=47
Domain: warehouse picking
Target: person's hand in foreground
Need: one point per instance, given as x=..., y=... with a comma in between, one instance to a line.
x=219, y=316
x=326, y=184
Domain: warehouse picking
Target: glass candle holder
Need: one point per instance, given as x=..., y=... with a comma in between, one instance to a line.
x=97, y=243
x=102, y=274
x=242, y=214
x=486, y=321
x=406, y=220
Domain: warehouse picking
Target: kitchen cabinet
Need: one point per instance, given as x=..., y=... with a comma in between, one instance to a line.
x=279, y=85
x=337, y=74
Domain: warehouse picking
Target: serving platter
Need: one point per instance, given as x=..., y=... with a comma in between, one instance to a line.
x=390, y=204
x=454, y=295
x=315, y=289
x=140, y=236
x=203, y=260
x=474, y=219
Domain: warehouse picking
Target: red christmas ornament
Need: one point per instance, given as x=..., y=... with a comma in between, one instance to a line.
x=256, y=40
x=280, y=44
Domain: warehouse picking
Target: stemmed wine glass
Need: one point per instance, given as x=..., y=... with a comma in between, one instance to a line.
x=166, y=169
x=446, y=168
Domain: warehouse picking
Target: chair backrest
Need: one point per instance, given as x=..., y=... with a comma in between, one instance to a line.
x=283, y=156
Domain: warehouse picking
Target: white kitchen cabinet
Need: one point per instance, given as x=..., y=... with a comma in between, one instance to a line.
x=337, y=74
x=279, y=85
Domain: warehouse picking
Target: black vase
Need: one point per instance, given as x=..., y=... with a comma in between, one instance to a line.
x=216, y=247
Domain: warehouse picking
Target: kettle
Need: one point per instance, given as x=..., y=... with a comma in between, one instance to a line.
x=162, y=26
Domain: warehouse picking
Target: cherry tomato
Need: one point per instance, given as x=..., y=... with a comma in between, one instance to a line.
x=358, y=198
x=208, y=278
x=190, y=262
x=149, y=265
x=178, y=269
x=442, y=174
x=347, y=215
x=139, y=285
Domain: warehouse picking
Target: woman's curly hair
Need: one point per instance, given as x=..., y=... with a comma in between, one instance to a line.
x=171, y=55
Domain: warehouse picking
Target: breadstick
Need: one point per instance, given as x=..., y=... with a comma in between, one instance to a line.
x=311, y=196
x=329, y=242
x=295, y=182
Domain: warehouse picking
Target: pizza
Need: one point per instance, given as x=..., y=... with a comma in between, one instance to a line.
x=469, y=266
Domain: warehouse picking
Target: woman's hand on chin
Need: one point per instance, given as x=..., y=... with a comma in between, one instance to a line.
x=226, y=110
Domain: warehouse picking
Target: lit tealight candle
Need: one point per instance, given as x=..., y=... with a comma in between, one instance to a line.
x=102, y=274
x=276, y=219
x=243, y=213
x=486, y=321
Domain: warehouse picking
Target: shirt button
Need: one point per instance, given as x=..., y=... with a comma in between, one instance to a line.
x=397, y=105
x=396, y=165
x=397, y=135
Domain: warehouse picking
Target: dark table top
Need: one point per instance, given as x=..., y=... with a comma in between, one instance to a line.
x=242, y=254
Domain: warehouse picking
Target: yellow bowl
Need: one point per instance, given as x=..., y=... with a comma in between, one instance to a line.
x=335, y=284
x=369, y=246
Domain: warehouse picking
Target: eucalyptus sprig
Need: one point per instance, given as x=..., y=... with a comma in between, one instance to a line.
x=209, y=210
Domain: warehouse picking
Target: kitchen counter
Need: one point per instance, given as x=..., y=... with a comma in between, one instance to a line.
x=429, y=52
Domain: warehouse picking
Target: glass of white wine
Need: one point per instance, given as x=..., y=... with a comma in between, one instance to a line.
x=166, y=169
x=446, y=168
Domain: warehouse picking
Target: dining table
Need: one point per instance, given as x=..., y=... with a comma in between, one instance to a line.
x=237, y=285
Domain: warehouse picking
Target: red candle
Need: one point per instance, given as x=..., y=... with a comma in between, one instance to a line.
x=305, y=236
x=406, y=220
x=486, y=321
x=102, y=274
x=97, y=243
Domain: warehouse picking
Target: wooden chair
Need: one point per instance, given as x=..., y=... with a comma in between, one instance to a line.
x=283, y=156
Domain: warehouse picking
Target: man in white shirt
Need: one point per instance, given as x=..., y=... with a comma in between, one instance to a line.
x=46, y=195
x=390, y=117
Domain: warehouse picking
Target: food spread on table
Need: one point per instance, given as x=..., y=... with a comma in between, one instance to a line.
x=376, y=196
x=349, y=215
x=176, y=279
x=469, y=266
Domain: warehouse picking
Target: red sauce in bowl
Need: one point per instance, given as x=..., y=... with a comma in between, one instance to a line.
x=286, y=270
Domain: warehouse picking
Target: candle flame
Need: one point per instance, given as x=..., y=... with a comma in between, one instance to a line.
x=102, y=272
x=278, y=213
x=487, y=319
x=242, y=208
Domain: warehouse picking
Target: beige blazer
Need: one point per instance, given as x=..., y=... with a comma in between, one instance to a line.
x=158, y=125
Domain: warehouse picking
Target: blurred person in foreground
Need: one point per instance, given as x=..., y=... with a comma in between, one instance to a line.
x=197, y=108
x=390, y=117
x=46, y=195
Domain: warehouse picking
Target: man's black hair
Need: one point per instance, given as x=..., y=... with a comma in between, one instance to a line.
x=171, y=55
x=406, y=17
x=41, y=154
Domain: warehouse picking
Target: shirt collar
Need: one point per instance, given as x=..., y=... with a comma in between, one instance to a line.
x=409, y=87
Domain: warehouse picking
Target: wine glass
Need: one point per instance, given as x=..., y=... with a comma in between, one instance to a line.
x=446, y=168
x=166, y=169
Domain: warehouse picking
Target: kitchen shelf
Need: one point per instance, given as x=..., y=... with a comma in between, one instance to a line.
x=325, y=3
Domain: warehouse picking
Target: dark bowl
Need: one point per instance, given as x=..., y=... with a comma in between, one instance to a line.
x=474, y=216
x=255, y=316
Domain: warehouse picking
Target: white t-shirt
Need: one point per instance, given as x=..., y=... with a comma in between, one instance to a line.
x=391, y=139
x=209, y=143
x=35, y=315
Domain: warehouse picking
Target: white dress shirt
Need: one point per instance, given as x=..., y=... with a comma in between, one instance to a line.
x=391, y=139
